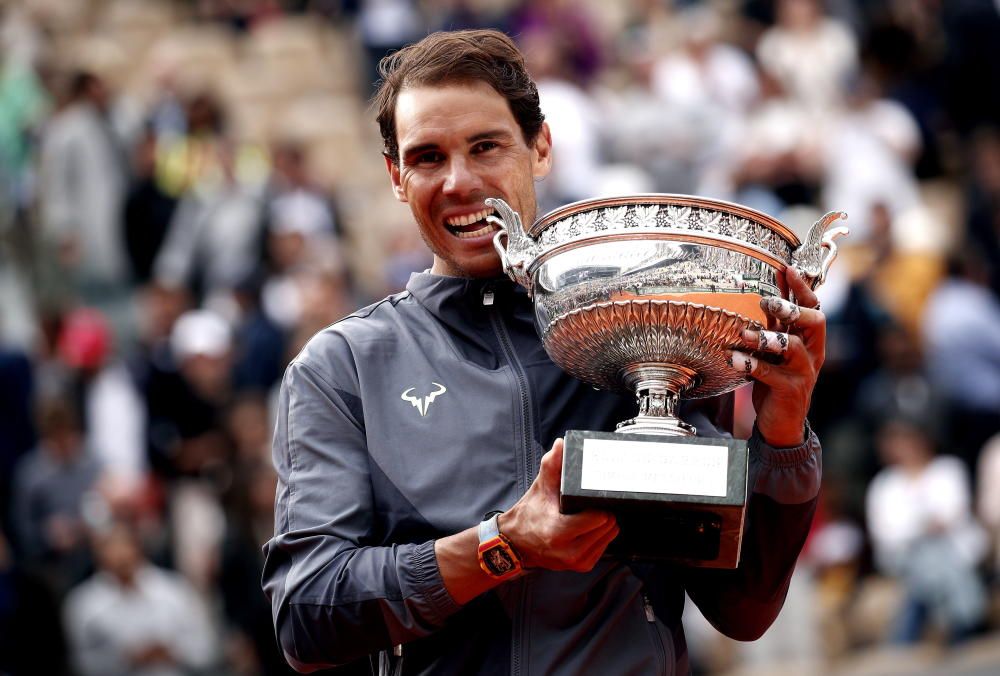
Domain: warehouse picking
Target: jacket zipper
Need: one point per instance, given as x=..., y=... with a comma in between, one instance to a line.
x=522, y=384
x=647, y=607
x=519, y=627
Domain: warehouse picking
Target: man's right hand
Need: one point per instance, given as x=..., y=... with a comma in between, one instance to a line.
x=545, y=538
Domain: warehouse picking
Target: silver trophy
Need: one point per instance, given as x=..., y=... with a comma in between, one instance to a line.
x=647, y=294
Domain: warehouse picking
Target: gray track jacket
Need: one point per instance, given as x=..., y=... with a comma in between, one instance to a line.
x=412, y=419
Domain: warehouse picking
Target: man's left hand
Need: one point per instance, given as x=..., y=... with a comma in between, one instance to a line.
x=783, y=381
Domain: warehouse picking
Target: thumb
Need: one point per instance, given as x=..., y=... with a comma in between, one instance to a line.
x=550, y=471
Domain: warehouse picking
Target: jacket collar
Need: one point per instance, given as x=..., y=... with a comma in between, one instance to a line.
x=463, y=299
x=460, y=305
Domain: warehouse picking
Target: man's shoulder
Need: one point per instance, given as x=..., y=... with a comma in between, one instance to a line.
x=376, y=323
x=88, y=597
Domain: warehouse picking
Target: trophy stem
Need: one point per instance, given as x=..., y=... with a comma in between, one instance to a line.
x=658, y=388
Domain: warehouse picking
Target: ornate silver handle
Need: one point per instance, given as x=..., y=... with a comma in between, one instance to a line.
x=817, y=253
x=519, y=249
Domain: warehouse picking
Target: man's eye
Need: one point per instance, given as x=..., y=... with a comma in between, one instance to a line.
x=430, y=157
x=485, y=146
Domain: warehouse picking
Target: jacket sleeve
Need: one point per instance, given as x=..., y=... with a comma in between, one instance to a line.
x=785, y=483
x=335, y=596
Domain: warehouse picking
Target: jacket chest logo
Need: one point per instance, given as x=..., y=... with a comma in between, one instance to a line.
x=423, y=403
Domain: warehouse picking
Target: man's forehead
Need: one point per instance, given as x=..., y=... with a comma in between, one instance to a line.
x=429, y=113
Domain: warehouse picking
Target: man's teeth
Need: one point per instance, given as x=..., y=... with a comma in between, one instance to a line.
x=468, y=219
x=476, y=233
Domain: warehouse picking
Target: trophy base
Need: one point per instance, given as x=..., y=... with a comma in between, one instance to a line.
x=681, y=500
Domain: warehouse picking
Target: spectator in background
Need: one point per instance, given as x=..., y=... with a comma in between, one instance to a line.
x=705, y=87
x=900, y=385
x=214, y=238
x=295, y=251
x=23, y=104
x=259, y=345
x=811, y=54
x=134, y=619
x=868, y=154
x=83, y=177
x=385, y=26
x=188, y=394
x=567, y=25
x=148, y=211
x=184, y=161
x=250, y=522
x=639, y=137
x=300, y=228
x=292, y=194
x=572, y=114
x=50, y=484
x=188, y=402
x=324, y=297
x=835, y=551
x=776, y=159
x=919, y=513
x=105, y=392
x=855, y=318
x=961, y=333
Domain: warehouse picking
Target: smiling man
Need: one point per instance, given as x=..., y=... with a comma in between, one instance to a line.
x=417, y=524
x=455, y=144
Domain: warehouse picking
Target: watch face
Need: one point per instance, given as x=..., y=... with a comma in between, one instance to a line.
x=498, y=560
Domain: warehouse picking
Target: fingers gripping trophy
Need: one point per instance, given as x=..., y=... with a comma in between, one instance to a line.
x=670, y=297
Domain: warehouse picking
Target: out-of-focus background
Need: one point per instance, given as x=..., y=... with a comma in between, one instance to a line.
x=190, y=189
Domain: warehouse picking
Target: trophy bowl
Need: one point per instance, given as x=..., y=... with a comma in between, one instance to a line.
x=649, y=293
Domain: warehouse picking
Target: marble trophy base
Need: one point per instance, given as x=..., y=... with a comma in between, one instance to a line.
x=677, y=499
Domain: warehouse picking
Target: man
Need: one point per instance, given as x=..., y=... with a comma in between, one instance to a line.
x=405, y=425
x=132, y=618
x=83, y=178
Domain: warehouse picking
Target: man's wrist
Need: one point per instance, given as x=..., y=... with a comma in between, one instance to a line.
x=497, y=556
x=785, y=437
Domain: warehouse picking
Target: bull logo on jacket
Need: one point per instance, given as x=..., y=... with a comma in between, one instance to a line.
x=423, y=403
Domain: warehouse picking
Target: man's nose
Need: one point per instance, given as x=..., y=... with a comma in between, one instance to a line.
x=461, y=177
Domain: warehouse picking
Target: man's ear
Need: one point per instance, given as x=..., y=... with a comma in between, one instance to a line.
x=542, y=157
x=393, y=169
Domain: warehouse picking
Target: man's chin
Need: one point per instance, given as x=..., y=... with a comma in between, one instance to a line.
x=480, y=267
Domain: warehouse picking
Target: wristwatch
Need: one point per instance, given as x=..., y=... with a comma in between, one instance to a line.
x=497, y=557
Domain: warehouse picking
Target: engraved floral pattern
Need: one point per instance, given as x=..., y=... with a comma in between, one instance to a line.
x=646, y=215
x=709, y=221
x=654, y=216
x=678, y=217
x=615, y=217
x=574, y=226
x=588, y=221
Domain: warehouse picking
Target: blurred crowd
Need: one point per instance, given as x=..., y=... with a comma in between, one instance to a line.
x=190, y=189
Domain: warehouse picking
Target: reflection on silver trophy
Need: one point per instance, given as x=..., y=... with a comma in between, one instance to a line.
x=647, y=294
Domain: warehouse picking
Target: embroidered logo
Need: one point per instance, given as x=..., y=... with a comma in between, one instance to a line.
x=423, y=403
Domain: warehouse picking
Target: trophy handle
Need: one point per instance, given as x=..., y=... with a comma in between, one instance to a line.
x=515, y=247
x=814, y=258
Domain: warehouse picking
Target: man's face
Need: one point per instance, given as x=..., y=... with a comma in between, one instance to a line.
x=458, y=145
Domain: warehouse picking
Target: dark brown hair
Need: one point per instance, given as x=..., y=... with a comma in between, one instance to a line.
x=455, y=57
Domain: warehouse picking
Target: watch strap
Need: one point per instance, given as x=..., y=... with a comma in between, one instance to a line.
x=489, y=528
